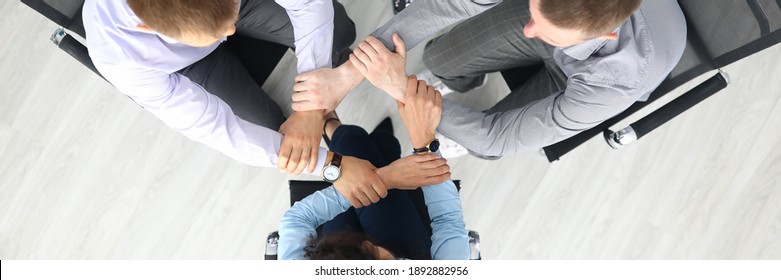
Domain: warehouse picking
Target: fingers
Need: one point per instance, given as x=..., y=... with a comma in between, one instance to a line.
x=412, y=86
x=399, y=105
x=362, y=56
x=437, y=166
x=379, y=187
x=295, y=157
x=358, y=64
x=425, y=158
x=313, y=159
x=437, y=99
x=301, y=86
x=400, y=48
x=303, y=77
x=430, y=91
x=372, y=195
x=357, y=203
x=422, y=87
x=296, y=167
x=302, y=96
x=303, y=106
x=369, y=49
x=437, y=179
x=284, y=155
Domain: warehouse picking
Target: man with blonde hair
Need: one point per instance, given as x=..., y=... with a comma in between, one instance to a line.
x=168, y=56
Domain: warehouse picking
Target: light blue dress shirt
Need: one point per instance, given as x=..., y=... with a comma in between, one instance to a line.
x=449, y=240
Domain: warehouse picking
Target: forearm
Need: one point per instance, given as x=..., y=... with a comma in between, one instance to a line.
x=537, y=124
x=351, y=74
x=189, y=109
x=449, y=238
x=424, y=18
x=499, y=133
x=300, y=221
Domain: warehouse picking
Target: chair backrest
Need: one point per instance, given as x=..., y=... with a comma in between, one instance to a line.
x=720, y=32
x=259, y=57
x=66, y=13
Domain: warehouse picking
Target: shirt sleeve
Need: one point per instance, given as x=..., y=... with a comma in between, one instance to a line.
x=189, y=109
x=313, y=30
x=300, y=222
x=538, y=124
x=424, y=18
x=449, y=239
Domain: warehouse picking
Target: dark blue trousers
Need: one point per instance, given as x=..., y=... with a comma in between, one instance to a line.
x=393, y=223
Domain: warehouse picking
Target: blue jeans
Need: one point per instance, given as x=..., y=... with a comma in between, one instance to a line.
x=393, y=223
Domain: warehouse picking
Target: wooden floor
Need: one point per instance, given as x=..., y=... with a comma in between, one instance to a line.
x=87, y=174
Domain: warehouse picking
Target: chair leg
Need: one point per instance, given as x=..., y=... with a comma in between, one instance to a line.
x=271, y=245
x=474, y=245
x=667, y=112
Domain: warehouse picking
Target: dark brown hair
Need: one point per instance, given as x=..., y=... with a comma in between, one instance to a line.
x=593, y=17
x=173, y=18
x=342, y=246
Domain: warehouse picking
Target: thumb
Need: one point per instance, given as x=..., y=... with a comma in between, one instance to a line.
x=400, y=48
x=399, y=105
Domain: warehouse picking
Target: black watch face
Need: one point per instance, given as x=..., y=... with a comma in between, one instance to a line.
x=434, y=146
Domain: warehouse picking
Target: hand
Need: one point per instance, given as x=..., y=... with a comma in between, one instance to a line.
x=415, y=171
x=421, y=111
x=324, y=88
x=359, y=183
x=383, y=68
x=301, y=142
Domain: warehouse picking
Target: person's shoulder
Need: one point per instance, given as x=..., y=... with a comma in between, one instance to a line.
x=108, y=37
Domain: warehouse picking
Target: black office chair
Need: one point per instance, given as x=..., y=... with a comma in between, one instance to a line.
x=259, y=57
x=301, y=189
x=720, y=32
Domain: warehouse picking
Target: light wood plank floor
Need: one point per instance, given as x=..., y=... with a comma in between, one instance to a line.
x=87, y=174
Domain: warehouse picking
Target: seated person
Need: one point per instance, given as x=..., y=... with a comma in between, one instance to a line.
x=169, y=57
x=599, y=56
x=391, y=228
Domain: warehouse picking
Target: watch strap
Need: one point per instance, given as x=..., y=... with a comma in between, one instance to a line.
x=420, y=150
x=428, y=148
x=336, y=160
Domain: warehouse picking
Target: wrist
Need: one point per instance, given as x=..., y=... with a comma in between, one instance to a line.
x=421, y=140
x=385, y=176
x=313, y=115
x=397, y=91
x=353, y=76
x=328, y=158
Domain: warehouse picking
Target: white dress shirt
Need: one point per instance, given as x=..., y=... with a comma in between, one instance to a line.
x=144, y=64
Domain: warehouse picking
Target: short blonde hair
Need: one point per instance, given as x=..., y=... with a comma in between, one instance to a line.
x=174, y=18
x=593, y=17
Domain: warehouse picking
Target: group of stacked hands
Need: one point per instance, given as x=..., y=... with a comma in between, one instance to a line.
x=598, y=61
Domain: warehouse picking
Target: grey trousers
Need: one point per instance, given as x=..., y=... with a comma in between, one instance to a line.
x=222, y=73
x=493, y=41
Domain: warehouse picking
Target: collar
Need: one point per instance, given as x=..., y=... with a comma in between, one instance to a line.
x=584, y=50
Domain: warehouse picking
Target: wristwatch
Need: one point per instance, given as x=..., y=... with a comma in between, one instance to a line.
x=432, y=147
x=333, y=170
